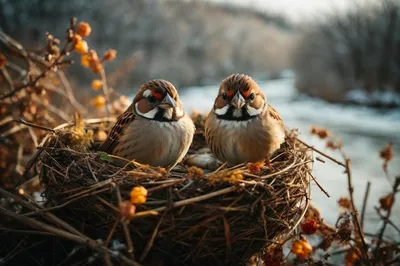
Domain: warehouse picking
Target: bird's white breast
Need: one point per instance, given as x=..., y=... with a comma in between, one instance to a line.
x=229, y=125
x=156, y=143
x=243, y=141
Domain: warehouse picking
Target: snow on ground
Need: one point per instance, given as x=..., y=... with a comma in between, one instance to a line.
x=386, y=98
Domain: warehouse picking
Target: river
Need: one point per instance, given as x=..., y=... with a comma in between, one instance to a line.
x=363, y=130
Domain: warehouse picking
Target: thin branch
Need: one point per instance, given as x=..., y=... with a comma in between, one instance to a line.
x=91, y=243
x=354, y=212
x=49, y=216
x=66, y=203
x=106, y=91
x=124, y=224
x=111, y=233
x=386, y=220
x=196, y=199
x=389, y=221
x=70, y=94
x=13, y=130
x=29, y=124
x=7, y=77
x=6, y=120
x=28, y=84
x=322, y=153
x=152, y=238
x=33, y=82
x=320, y=187
x=33, y=137
x=57, y=111
x=364, y=206
x=12, y=44
x=25, y=232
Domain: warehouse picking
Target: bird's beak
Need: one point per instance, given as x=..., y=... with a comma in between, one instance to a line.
x=167, y=102
x=238, y=101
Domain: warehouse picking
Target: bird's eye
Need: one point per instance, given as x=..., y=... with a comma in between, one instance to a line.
x=151, y=99
x=224, y=96
x=251, y=96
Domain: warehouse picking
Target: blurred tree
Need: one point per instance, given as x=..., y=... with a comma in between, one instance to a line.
x=187, y=42
x=352, y=50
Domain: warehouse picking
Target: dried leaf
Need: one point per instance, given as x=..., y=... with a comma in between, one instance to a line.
x=386, y=202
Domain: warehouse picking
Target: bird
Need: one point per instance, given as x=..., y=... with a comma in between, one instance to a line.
x=242, y=127
x=154, y=130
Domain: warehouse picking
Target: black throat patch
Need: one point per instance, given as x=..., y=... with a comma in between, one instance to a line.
x=229, y=115
x=161, y=118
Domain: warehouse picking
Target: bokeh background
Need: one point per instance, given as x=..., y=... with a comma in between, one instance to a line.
x=332, y=63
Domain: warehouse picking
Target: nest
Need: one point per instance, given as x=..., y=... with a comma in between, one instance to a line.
x=190, y=218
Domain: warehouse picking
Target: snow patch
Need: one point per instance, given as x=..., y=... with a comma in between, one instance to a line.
x=382, y=98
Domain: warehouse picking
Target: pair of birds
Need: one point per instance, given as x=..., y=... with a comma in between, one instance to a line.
x=154, y=130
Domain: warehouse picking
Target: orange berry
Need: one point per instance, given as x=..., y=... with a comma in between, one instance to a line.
x=81, y=47
x=76, y=38
x=83, y=29
x=138, y=195
x=309, y=226
x=110, y=55
x=3, y=60
x=127, y=210
x=85, y=60
x=99, y=101
x=97, y=84
x=91, y=60
x=96, y=67
x=301, y=248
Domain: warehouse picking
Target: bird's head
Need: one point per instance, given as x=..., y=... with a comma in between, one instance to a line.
x=158, y=100
x=239, y=98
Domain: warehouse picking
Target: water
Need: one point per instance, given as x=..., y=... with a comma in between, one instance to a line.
x=363, y=130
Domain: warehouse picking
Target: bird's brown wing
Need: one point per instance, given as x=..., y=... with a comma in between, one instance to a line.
x=275, y=115
x=113, y=137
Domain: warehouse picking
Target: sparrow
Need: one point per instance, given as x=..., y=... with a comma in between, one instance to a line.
x=242, y=127
x=154, y=130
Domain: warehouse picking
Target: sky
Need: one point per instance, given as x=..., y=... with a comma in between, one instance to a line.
x=297, y=10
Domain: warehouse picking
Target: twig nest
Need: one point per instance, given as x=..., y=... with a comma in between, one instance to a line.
x=188, y=217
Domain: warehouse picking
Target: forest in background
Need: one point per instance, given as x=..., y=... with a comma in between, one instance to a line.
x=354, y=50
x=186, y=42
x=194, y=43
